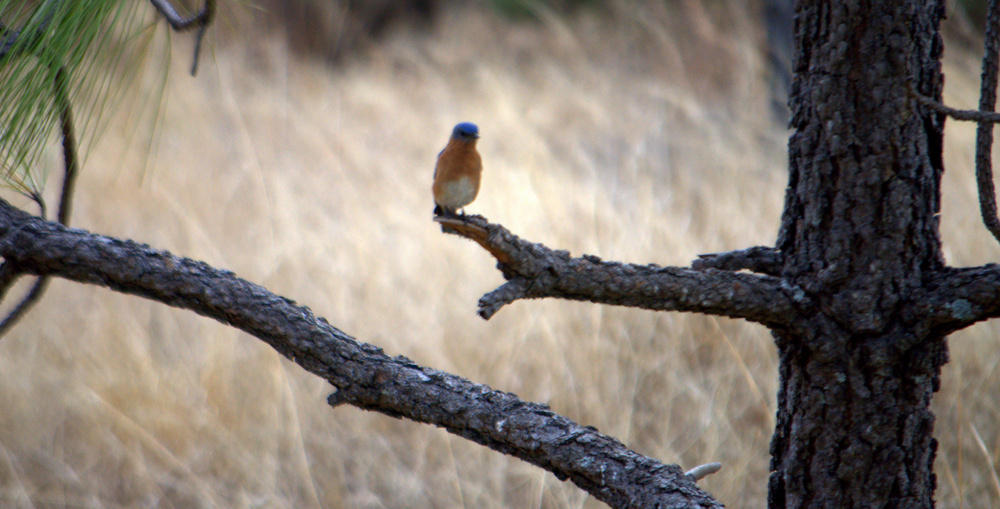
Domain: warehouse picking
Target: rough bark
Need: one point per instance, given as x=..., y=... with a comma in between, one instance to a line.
x=363, y=375
x=535, y=271
x=959, y=297
x=860, y=237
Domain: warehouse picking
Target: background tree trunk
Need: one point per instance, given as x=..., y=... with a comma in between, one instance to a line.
x=860, y=236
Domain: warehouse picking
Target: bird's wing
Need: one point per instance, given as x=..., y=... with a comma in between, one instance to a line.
x=438, y=161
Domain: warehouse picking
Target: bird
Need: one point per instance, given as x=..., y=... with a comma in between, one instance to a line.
x=458, y=171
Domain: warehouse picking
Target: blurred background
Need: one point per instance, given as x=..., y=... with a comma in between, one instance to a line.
x=301, y=156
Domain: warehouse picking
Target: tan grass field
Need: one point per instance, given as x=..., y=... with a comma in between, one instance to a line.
x=647, y=139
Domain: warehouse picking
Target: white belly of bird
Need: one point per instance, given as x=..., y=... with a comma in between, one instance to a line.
x=458, y=194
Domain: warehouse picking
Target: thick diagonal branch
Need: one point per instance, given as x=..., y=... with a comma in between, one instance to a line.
x=363, y=375
x=535, y=271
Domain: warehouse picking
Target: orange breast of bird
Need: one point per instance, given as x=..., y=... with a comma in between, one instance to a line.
x=457, y=175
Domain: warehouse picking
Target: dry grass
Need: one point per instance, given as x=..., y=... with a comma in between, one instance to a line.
x=647, y=140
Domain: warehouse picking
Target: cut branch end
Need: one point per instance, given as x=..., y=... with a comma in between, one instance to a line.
x=702, y=471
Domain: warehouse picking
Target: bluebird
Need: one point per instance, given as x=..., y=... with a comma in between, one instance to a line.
x=459, y=167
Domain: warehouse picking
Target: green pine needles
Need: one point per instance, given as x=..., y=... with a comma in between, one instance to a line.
x=61, y=62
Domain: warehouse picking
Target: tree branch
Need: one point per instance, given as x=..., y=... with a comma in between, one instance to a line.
x=363, y=375
x=27, y=302
x=762, y=259
x=955, y=113
x=200, y=21
x=8, y=41
x=72, y=165
x=71, y=161
x=535, y=271
x=985, y=116
x=960, y=297
x=11, y=38
x=60, y=96
x=984, y=132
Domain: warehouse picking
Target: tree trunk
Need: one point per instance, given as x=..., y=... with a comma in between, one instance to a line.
x=860, y=236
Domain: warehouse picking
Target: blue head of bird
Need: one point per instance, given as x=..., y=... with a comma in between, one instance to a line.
x=466, y=131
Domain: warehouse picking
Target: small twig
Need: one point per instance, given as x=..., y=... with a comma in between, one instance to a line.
x=180, y=23
x=955, y=113
x=702, y=471
x=507, y=293
x=984, y=134
x=762, y=259
x=40, y=200
x=199, y=21
x=70, y=158
x=26, y=303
